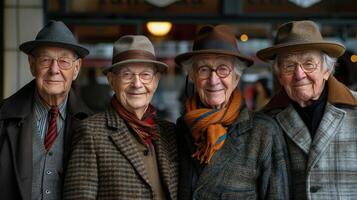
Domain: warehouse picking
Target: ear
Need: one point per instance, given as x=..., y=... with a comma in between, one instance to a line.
x=32, y=64
x=77, y=68
x=110, y=79
x=327, y=74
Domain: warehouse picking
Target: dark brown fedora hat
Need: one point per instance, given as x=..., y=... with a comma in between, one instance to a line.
x=55, y=33
x=214, y=39
x=297, y=36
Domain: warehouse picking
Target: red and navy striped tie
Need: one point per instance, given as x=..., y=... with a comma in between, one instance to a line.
x=52, y=128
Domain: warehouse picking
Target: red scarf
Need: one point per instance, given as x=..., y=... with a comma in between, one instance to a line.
x=145, y=128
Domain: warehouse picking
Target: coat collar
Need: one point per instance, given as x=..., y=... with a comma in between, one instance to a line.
x=123, y=140
x=337, y=94
x=19, y=106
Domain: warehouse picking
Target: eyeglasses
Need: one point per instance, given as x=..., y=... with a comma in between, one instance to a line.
x=289, y=68
x=128, y=76
x=64, y=63
x=222, y=71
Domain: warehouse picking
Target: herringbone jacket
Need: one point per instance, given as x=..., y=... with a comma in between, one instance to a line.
x=105, y=163
x=323, y=167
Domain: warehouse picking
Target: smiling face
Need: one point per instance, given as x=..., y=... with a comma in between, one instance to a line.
x=302, y=85
x=52, y=81
x=133, y=86
x=214, y=91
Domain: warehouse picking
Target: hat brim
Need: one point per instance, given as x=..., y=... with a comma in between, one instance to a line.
x=185, y=56
x=160, y=65
x=333, y=49
x=27, y=47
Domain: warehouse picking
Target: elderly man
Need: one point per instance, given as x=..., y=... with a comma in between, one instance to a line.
x=317, y=113
x=36, y=122
x=226, y=152
x=126, y=152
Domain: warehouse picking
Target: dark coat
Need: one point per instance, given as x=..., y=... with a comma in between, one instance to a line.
x=106, y=163
x=16, y=140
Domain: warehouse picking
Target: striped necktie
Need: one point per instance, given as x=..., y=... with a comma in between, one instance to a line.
x=52, y=128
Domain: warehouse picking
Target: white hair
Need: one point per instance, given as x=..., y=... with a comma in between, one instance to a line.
x=328, y=63
x=239, y=67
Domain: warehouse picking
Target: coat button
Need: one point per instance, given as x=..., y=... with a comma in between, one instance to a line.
x=48, y=192
x=146, y=152
x=314, y=189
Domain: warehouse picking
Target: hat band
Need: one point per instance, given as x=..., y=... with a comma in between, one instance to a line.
x=214, y=44
x=133, y=54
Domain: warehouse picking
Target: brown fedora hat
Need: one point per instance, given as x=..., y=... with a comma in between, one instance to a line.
x=134, y=49
x=297, y=36
x=214, y=39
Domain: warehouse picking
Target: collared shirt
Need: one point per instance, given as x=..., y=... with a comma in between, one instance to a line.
x=41, y=112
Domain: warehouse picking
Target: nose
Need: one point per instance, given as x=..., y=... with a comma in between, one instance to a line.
x=54, y=68
x=299, y=73
x=136, y=82
x=213, y=78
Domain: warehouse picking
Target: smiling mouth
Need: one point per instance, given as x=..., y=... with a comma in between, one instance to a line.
x=214, y=90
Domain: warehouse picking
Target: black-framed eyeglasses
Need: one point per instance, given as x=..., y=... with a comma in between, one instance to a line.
x=289, y=68
x=64, y=63
x=205, y=72
x=127, y=76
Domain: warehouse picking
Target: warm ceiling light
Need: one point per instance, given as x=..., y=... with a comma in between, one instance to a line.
x=159, y=28
x=354, y=58
x=244, y=37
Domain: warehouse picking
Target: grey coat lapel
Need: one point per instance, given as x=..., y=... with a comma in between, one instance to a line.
x=295, y=128
x=122, y=139
x=329, y=125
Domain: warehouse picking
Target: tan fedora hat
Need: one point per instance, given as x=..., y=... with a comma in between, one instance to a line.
x=214, y=39
x=297, y=36
x=134, y=49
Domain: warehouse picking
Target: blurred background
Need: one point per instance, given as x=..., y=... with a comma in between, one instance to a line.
x=171, y=25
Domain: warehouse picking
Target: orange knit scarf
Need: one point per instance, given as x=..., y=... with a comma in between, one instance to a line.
x=207, y=125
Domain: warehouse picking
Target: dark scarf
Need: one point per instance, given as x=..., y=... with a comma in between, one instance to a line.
x=145, y=128
x=312, y=114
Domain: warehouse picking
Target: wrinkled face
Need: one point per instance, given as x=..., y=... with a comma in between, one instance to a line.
x=134, y=85
x=217, y=84
x=302, y=75
x=54, y=69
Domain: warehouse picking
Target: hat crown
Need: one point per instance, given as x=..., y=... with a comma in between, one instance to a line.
x=56, y=31
x=133, y=42
x=219, y=37
x=297, y=32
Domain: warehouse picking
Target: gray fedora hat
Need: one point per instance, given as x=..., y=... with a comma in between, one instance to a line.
x=297, y=36
x=55, y=33
x=134, y=49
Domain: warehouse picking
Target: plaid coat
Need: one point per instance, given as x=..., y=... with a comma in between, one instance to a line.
x=323, y=167
x=105, y=163
x=250, y=165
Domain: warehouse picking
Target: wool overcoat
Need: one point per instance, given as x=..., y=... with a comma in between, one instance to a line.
x=106, y=163
x=16, y=140
x=325, y=166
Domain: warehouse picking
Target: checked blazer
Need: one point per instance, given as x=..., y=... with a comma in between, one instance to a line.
x=106, y=164
x=325, y=166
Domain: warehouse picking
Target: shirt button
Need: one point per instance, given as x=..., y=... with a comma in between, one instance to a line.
x=314, y=189
x=48, y=172
x=50, y=153
x=48, y=192
x=146, y=152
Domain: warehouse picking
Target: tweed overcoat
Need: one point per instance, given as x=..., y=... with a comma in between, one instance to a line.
x=16, y=140
x=250, y=165
x=325, y=166
x=106, y=164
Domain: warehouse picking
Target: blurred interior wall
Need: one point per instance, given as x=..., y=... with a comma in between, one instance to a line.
x=22, y=20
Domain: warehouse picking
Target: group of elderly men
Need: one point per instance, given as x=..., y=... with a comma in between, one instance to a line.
x=303, y=145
